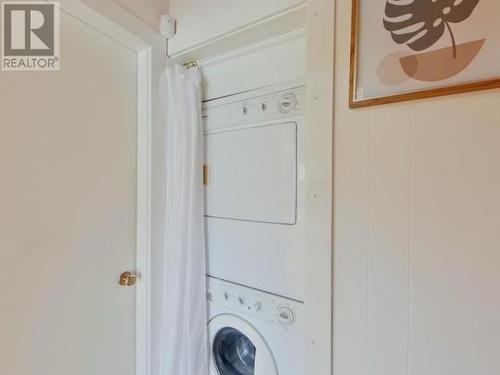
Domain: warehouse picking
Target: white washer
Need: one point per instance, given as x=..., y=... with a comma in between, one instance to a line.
x=255, y=195
x=253, y=332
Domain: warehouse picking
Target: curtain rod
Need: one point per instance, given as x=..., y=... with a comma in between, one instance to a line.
x=191, y=64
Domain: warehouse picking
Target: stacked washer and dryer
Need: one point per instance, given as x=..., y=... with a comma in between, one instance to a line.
x=254, y=186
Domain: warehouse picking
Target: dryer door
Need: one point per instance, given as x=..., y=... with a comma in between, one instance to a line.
x=237, y=348
x=252, y=173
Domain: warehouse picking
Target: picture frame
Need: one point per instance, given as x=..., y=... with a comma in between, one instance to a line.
x=428, y=65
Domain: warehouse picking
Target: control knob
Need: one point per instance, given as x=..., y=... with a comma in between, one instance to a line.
x=286, y=316
x=287, y=103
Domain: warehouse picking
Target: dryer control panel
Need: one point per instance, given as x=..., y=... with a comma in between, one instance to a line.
x=266, y=107
x=261, y=305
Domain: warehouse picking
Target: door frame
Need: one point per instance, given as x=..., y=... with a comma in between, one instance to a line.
x=110, y=19
x=319, y=263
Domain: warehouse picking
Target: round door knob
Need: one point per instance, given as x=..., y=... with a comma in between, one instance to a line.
x=127, y=279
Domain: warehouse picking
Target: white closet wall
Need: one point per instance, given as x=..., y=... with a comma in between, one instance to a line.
x=267, y=63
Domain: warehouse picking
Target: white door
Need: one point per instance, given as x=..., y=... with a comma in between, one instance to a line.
x=68, y=164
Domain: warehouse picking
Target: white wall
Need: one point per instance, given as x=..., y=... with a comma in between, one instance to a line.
x=417, y=232
x=199, y=21
x=148, y=11
x=241, y=70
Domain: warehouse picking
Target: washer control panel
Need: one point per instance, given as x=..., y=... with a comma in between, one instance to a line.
x=261, y=305
x=276, y=105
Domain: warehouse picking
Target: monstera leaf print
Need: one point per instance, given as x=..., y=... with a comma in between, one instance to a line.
x=421, y=23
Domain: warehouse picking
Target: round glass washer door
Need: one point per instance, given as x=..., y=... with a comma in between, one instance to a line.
x=234, y=353
x=237, y=348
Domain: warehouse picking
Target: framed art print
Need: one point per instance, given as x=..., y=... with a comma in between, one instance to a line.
x=410, y=49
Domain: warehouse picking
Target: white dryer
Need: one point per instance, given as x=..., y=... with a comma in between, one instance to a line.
x=253, y=332
x=255, y=188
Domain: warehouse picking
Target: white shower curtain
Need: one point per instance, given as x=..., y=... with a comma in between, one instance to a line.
x=184, y=320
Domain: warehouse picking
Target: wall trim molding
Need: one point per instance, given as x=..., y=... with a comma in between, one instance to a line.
x=319, y=163
x=262, y=30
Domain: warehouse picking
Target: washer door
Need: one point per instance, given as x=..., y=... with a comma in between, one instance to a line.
x=237, y=348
